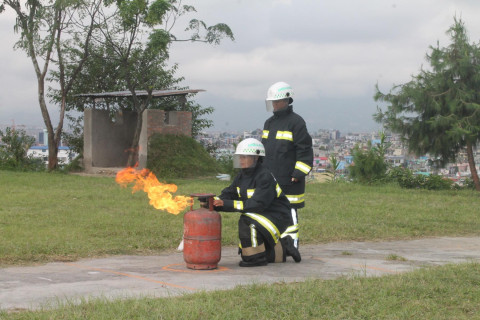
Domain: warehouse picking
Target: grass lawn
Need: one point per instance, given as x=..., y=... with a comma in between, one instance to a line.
x=56, y=217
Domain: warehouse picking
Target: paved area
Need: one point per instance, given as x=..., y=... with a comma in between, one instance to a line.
x=167, y=275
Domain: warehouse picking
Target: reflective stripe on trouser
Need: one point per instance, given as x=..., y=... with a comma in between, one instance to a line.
x=292, y=230
x=259, y=237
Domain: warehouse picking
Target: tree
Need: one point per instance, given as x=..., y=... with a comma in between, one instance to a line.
x=438, y=111
x=369, y=165
x=55, y=37
x=134, y=44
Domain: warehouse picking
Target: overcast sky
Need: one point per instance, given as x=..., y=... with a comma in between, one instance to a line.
x=331, y=52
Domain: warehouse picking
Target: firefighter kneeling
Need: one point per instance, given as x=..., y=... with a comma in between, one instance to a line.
x=266, y=211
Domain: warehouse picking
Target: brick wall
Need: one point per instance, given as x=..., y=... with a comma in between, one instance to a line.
x=173, y=122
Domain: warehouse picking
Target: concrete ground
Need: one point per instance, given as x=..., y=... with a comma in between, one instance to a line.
x=167, y=275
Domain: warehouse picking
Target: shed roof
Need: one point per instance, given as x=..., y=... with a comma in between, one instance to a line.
x=155, y=93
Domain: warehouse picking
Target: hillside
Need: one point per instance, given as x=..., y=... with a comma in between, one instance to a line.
x=177, y=156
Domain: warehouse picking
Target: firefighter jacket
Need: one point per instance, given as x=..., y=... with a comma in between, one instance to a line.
x=288, y=152
x=256, y=193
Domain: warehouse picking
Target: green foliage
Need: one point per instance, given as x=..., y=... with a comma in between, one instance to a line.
x=335, y=164
x=369, y=166
x=438, y=111
x=178, y=156
x=74, y=139
x=14, y=145
x=225, y=164
x=56, y=36
x=157, y=11
x=199, y=123
x=407, y=179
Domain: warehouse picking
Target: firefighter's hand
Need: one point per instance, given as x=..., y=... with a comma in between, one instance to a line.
x=203, y=204
x=218, y=203
x=294, y=180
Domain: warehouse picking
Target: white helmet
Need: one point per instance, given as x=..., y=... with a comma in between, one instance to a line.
x=278, y=91
x=248, y=147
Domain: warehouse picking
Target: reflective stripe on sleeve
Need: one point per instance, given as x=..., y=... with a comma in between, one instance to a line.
x=238, y=192
x=238, y=204
x=296, y=198
x=265, y=134
x=305, y=168
x=278, y=189
x=285, y=135
x=250, y=192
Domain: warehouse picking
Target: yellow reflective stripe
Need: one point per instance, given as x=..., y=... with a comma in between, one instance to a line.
x=296, y=198
x=253, y=234
x=293, y=228
x=267, y=224
x=216, y=198
x=238, y=191
x=265, y=134
x=285, y=135
x=293, y=235
x=250, y=192
x=302, y=166
x=238, y=204
x=278, y=189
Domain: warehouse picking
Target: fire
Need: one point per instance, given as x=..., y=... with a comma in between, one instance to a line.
x=160, y=194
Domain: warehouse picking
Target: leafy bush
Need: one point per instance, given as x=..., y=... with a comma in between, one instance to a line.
x=74, y=139
x=225, y=165
x=407, y=179
x=469, y=184
x=178, y=156
x=369, y=166
x=13, y=151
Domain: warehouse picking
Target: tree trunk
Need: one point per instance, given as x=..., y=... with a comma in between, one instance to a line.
x=471, y=163
x=133, y=152
x=52, y=143
x=52, y=154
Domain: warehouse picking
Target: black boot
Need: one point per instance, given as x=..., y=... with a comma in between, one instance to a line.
x=290, y=249
x=255, y=263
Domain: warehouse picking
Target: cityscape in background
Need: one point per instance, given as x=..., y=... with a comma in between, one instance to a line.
x=40, y=148
x=333, y=142
x=325, y=144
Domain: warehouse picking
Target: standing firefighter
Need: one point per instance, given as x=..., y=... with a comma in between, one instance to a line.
x=288, y=147
x=266, y=211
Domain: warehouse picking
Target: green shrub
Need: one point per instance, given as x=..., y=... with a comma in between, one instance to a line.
x=407, y=179
x=13, y=151
x=178, y=156
x=225, y=164
x=369, y=166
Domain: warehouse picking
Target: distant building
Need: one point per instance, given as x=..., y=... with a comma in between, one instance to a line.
x=335, y=134
x=64, y=155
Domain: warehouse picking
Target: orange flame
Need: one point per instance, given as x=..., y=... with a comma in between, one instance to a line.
x=160, y=194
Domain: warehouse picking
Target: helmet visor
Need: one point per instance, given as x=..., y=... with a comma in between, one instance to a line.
x=243, y=161
x=269, y=105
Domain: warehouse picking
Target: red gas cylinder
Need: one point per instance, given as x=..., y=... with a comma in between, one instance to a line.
x=202, y=235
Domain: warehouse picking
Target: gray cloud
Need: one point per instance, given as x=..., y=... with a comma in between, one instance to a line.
x=332, y=53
